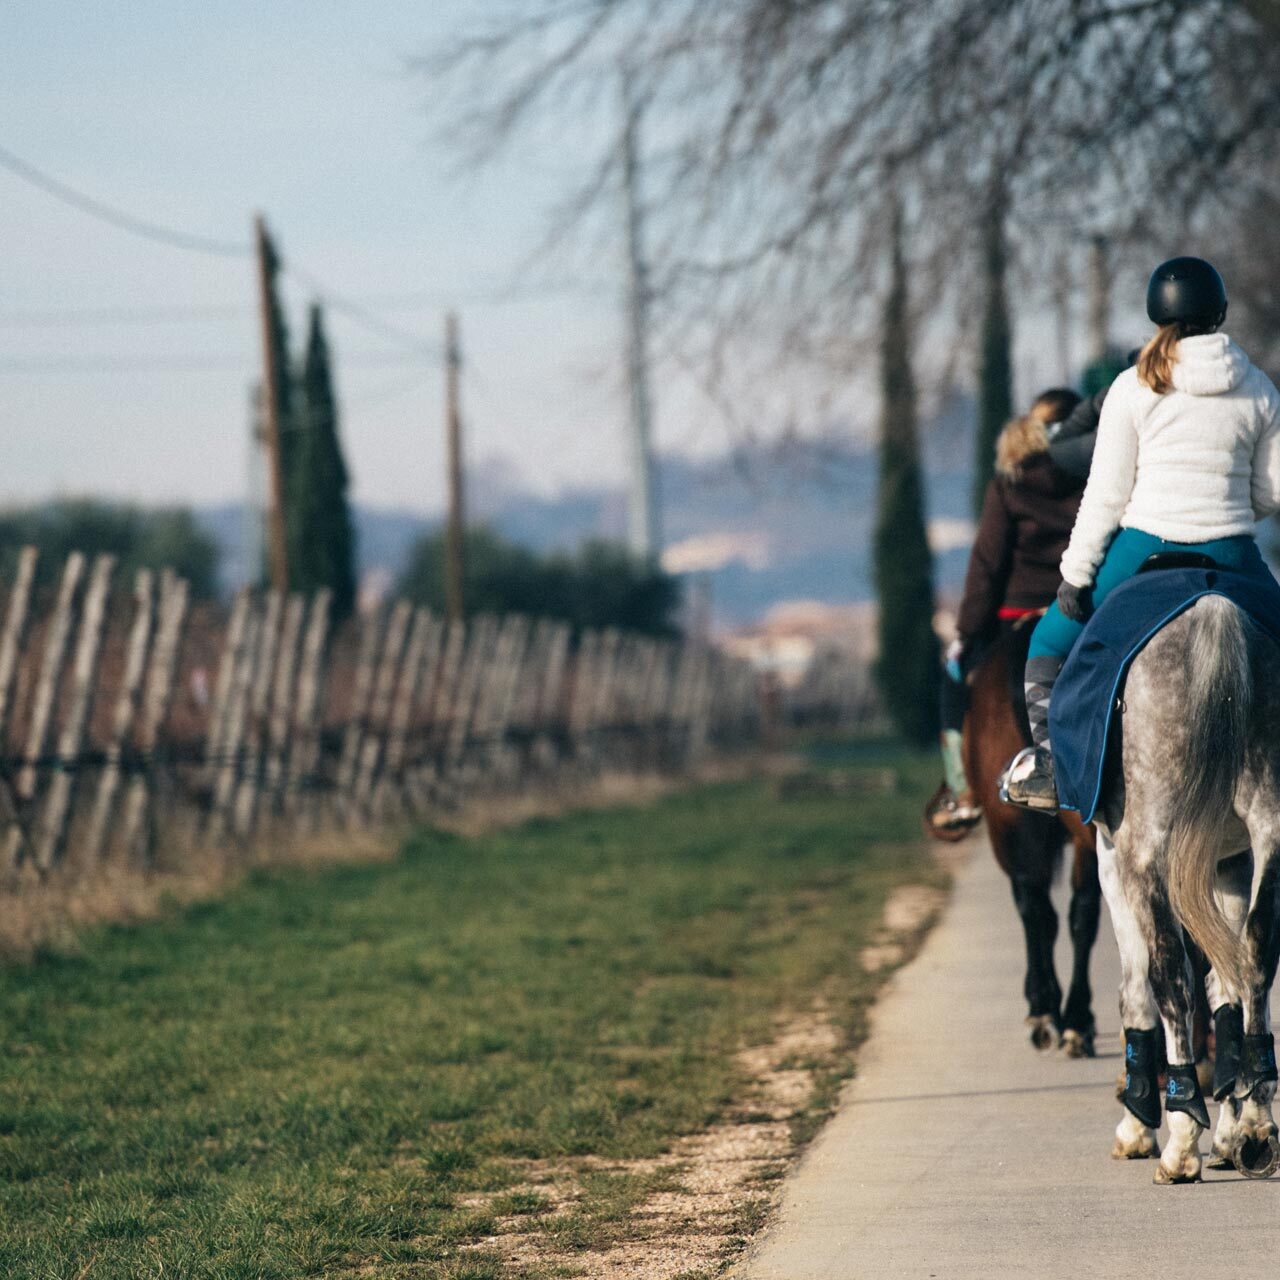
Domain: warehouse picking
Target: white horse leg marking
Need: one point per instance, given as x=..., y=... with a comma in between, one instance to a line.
x=1180, y=1159
x=1225, y=1136
x=1134, y=1140
x=1137, y=1005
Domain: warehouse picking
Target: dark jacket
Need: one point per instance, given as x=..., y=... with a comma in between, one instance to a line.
x=1071, y=441
x=1024, y=529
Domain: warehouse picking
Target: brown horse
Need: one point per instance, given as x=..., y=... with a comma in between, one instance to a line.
x=1028, y=847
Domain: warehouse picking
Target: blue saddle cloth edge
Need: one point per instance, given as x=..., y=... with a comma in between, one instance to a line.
x=1080, y=750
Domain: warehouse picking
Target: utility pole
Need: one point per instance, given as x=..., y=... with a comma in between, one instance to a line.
x=455, y=546
x=272, y=362
x=1099, y=298
x=643, y=536
x=255, y=540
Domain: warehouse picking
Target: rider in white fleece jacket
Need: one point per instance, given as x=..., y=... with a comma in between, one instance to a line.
x=1199, y=463
x=1187, y=459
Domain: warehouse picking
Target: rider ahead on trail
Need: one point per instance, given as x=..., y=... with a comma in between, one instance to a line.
x=1027, y=514
x=1187, y=460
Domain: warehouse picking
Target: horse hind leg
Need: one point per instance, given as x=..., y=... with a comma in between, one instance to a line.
x=1082, y=921
x=1232, y=892
x=1040, y=927
x=1257, y=1150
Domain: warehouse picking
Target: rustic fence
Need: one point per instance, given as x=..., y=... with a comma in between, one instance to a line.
x=136, y=726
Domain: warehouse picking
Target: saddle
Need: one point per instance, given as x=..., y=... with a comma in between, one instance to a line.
x=1086, y=696
x=1159, y=560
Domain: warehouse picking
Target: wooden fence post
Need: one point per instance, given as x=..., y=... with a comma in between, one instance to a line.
x=304, y=752
x=237, y=713
x=55, y=653
x=220, y=708
x=403, y=704
x=380, y=710
x=139, y=806
x=52, y=660
x=126, y=708
x=415, y=769
x=15, y=628
x=357, y=717
x=246, y=803
x=283, y=691
x=13, y=837
x=582, y=699
x=52, y=836
x=479, y=647
x=438, y=701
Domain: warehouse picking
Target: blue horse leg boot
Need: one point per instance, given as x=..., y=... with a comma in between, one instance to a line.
x=1228, y=1037
x=1141, y=1069
x=1258, y=1062
x=1182, y=1092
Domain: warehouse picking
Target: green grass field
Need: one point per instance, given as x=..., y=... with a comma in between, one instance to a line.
x=309, y=1077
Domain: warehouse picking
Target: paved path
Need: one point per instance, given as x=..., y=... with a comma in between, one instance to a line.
x=958, y=1152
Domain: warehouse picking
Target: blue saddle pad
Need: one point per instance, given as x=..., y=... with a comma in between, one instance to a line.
x=1084, y=697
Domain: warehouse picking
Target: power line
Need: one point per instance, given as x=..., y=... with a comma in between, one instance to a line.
x=174, y=364
x=74, y=316
x=361, y=315
x=118, y=218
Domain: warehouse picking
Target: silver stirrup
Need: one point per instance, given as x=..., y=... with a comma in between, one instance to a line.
x=1002, y=784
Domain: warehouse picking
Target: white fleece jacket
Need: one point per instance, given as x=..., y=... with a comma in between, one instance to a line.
x=1199, y=463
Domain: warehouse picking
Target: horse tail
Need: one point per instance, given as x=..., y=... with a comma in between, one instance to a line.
x=1217, y=717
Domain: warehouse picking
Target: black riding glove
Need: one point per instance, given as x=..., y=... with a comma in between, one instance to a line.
x=1075, y=603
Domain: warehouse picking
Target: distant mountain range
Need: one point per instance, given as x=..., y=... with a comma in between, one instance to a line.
x=787, y=520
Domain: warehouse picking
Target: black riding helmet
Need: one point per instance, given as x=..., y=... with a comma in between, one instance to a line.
x=1188, y=292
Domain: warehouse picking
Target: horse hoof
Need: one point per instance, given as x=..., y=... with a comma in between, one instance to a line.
x=1043, y=1034
x=1219, y=1159
x=1144, y=1148
x=1078, y=1044
x=1134, y=1140
x=1257, y=1157
x=1120, y=1152
x=1188, y=1170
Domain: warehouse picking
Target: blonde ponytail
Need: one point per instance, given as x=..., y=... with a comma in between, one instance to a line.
x=1157, y=358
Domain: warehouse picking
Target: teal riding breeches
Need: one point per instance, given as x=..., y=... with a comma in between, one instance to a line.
x=1055, y=634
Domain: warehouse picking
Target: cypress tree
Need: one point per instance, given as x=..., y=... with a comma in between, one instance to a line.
x=321, y=536
x=907, y=670
x=995, y=376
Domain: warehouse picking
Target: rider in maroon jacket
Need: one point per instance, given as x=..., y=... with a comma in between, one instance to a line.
x=1027, y=515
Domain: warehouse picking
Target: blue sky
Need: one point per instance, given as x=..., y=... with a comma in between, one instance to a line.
x=195, y=116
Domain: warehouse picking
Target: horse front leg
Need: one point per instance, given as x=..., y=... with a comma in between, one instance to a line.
x=1257, y=1151
x=1082, y=921
x=1136, y=1133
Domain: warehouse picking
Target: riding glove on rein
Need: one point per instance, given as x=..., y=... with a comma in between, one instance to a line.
x=1075, y=602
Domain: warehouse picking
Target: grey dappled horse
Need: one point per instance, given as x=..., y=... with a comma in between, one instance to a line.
x=1189, y=830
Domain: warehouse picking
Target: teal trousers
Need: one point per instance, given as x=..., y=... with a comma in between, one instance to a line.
x=1055, y=634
